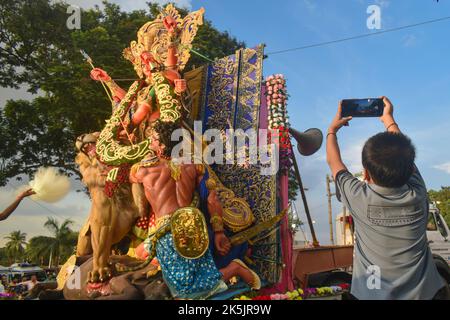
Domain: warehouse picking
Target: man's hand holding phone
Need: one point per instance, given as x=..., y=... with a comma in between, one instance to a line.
x=338, y=121
x=388, y=116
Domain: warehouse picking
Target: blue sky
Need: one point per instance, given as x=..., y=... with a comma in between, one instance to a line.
x=411, y=66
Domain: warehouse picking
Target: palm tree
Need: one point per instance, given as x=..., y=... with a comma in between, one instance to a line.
x=15, y=244
x=38, y=249
x=62, y=240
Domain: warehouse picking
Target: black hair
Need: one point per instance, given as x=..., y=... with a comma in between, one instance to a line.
x=164, y=131
x=389, y=159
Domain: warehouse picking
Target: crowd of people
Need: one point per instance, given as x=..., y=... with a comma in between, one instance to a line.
x=22, y=287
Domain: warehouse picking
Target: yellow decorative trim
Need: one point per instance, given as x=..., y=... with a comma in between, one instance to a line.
x=237, y=214
x=216, y=223
x=169, y=104
x=175, y=170
x=256, y=230
x=109, y=150
x=153, y=37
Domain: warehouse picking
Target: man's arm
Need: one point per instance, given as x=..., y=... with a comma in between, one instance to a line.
x=221, y=242
x=334, y=158
x=388, y=120
x=7, y=212
x=388, y=117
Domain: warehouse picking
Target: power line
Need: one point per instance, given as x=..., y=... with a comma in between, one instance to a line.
x=365, y=35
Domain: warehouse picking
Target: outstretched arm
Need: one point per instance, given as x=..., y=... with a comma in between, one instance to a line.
x=334, y=158
x=7, y=212
x=117, y=92
x=388, y=117
x=215, y=210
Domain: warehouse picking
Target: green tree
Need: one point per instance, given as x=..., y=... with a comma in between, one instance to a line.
x=4, y=259
x=62, y=242
x=38, y=249
x=38, y=52
x=442, y=198
x=15, y=246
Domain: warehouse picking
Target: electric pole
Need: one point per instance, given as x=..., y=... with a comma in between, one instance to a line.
x=330, y=212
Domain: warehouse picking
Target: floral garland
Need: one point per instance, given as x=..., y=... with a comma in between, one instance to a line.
x=144, y=226
x=300, y=294
x=116, y=177
x=276, y=96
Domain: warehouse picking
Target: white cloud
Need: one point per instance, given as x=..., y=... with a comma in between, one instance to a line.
x=443, y=167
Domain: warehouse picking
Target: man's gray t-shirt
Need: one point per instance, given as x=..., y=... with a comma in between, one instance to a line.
x=391, y=240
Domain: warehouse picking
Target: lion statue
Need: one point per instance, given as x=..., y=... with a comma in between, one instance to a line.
x=111, y=216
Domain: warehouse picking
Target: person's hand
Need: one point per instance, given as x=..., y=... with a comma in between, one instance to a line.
x=147, y=58
x=125, y=138
x=140, y=252
x=388, y=113
x=222, y=243
x=338, y=122
x=170, y=24
x=180, y=86
x=98, y=74
x=26, y=193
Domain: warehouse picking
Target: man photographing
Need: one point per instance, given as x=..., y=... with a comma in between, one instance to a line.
x=7, y=212
x=390, y=213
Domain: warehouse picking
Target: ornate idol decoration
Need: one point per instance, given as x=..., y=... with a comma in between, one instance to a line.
x=159, y=54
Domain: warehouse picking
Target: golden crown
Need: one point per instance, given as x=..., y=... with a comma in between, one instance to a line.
x=155, y=38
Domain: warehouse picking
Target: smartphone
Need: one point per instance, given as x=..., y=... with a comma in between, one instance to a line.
x=371, y=107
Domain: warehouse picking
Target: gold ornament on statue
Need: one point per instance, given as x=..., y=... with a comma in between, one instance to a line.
x=154, y=37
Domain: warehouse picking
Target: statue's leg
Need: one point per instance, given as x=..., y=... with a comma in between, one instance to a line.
x=84, y=246
x=102, y=224
x=140, y=200
x=125, y=212
x=238, y=269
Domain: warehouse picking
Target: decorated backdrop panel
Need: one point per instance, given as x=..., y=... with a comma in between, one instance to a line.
x=228, y=93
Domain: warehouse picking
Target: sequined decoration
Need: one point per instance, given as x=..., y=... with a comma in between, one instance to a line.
x=187, y=278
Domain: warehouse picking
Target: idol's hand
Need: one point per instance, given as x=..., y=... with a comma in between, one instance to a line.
x=125, y=138
x=170, y=24
x=180, y=86
x=98, y=74
x=140, y=252
x=222, y=243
